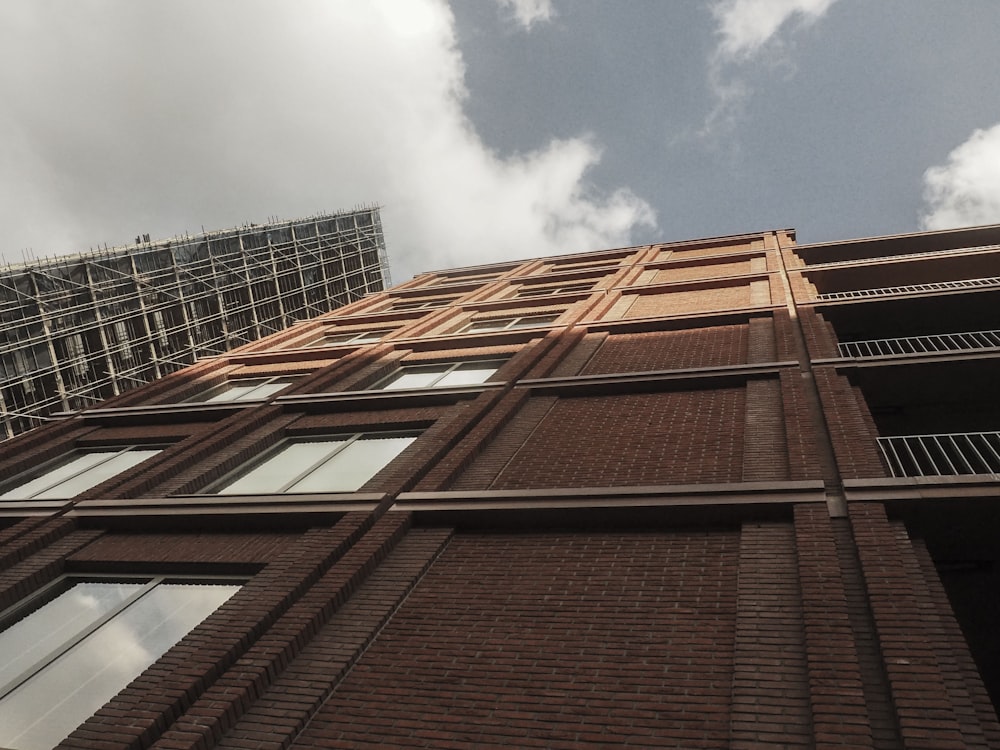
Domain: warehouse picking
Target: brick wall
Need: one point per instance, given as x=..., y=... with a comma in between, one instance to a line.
x=851, y=427
x=935, y=707
x=633, y=439
x=549, y=640
x=690, y=301
x=714, y=346
x=702, y=271
x=821, y=339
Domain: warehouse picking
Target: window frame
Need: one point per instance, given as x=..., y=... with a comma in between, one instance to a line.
x=408, y=305
x=26, y=477
x=51, y=591
x=449, y=365
x=349, y=337
x=576, y=265
x=512, y=324
x=199, y=398
x=219, y=486
x=539, y=290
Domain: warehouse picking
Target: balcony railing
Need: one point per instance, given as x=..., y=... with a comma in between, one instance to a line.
x=952, y=454
x=939, y=286
x=922, y=254
x=938, y=342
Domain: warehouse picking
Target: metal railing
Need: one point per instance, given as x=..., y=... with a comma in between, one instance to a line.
x=935, y=287
x=903, y=256
x=937, y=342
x=951, y=454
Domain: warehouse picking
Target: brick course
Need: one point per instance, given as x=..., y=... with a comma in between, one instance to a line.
x=732, y=610
x=560, y=641
x=633, y=439
x=715, y=346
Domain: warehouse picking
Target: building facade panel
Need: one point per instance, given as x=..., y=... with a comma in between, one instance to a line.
x=490, y=507
x=481, y=653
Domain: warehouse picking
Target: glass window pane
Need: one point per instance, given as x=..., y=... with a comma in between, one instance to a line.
x=28, y=640
x=74, y=465
x=538, y=320
x=414, y=378
x=275, y=472
x=43, y=710
x=488, y=325
x=231, y=392
x=266, y=389
x=353, y=466
x=96, y=474
x=468, y=374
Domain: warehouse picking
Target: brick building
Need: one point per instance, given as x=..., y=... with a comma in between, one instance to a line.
x=725, y=493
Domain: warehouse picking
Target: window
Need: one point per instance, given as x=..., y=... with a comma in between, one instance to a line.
x=587, y=264
x=321, y=464
x=67, y=650
x=440, y=375
x=243, y=389
x=540, y=291
x=354, y=337
x=419, y=304
x=461, y=279
x=75, y=472
x=508, y=324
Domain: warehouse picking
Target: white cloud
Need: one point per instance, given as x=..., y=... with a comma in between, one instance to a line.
x=747, y=30
x=529, y=12
x=124, y=117
x=745, y=27
x=965, y=191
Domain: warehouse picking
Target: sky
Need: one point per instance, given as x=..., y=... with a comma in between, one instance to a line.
x=490, y=130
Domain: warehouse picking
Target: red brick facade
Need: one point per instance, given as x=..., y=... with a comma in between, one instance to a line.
x=674, y=516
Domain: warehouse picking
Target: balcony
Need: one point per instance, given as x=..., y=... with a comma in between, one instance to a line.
x=941, y=342
x=947, y=454
x=902, y=256
x=939, y=286
x=934, y=417
x=917, y=246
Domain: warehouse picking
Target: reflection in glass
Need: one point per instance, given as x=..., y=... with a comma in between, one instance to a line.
x=412, y=378
x=68, y=615
x=332, y=465
x=442, y=375
x=243, y=389
x=274, y=473
x=61, y=694
x=347, y=470
x=468, y=374
x=78, y=473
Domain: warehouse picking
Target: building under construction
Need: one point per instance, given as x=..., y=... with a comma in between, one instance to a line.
x=80, y=328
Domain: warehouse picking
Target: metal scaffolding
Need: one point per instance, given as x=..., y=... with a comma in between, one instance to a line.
x=77, y=329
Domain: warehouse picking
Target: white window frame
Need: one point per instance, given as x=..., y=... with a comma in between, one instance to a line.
x=27, y=477
x=63, y=585
x=509, y=324
x=343, y=441
x=206, y=396
x=445, y=369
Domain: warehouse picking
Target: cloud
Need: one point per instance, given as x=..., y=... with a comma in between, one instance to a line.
x=528, y=12
x=747, y=30
x=745, y=27
x=124, y=117
x=965, y=191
